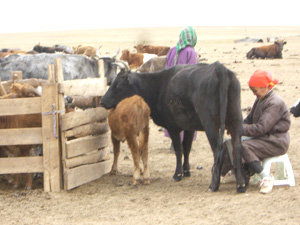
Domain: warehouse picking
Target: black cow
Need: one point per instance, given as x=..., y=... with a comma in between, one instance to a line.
x=74, y=66
x=295, y=110
x=189, y=97
x=46, y=49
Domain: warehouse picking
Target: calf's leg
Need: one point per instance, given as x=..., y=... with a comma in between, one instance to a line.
x=116, y=149
x=134, y=148
x=143, y=145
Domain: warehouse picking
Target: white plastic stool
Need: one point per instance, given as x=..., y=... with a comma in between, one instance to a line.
x=285, y=172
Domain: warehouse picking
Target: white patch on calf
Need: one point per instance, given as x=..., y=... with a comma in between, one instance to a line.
x=39, y=90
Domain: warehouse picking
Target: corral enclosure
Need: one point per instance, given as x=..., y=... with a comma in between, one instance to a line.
x=73, y=143
x=112, y=200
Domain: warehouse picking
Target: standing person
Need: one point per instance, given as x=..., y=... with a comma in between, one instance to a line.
x=266, y=130
x=183, y=53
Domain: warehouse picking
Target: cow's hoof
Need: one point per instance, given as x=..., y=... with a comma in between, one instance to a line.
x=28, y=188
x=113, y=172
x=187, y=174
x=146, y=181
x=177, y=177
x=241, y=188
x=213, y=188
x=15, y=186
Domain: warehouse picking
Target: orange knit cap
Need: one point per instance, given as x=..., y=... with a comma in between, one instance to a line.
x=262, y=78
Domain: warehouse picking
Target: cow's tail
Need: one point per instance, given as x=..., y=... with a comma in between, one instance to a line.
x=223, y=77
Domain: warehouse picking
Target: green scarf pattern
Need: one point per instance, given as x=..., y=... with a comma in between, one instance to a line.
x=187, y=37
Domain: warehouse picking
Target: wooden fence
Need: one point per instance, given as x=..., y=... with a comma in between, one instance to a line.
x=74, y=144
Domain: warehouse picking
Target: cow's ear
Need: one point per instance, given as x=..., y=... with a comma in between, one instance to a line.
x=284, y=43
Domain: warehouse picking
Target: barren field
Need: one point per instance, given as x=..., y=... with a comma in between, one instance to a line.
x=112, y=199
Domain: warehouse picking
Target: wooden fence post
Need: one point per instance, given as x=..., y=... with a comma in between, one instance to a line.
x=2, y=89
x=61, y=106
x=51, y=148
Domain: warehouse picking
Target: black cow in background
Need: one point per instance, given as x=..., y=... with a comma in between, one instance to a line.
x=45, y=49
x=189, y=97
x=295, y=110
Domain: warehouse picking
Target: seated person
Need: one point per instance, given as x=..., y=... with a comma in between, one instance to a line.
x=266, y=130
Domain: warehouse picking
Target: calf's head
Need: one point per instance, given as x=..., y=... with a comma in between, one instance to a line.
x=120, y=88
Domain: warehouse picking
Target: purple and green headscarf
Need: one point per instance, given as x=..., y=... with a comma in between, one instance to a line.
x=187, y=37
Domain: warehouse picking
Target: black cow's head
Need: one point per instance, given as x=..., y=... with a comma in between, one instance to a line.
x=295, y=110
x=121, y=88
x=110, y=69
x=37, y=48
x=110, y=65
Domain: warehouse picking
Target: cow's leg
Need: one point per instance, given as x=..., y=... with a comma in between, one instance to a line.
x=116, y=149
x=187, y=144
x=237, y=162
x=143, y=142
x=176, y=140
x=212, y=135
x=134, y=148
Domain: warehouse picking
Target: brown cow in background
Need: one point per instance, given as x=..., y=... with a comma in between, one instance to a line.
x=86, y=50
x=273, y=51
x=158, y=50
x=135, y=60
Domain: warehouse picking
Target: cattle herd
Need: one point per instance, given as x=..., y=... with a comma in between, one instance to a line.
x=202, y=97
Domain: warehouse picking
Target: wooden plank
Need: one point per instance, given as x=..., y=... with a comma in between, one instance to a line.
x=74, y=119
x=88, y=129
x=21, y=136
x=94, y=157
x=84, y=145
x=21, y=165
x=19, y=106
x=82, y=87
x=51, y=149
x=83, y=174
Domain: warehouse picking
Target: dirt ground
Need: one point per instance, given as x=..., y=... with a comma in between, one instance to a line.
x=112, y=199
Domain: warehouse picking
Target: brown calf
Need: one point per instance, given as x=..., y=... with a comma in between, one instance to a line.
x=273, y=51
x=130, y=120
x=158, y=50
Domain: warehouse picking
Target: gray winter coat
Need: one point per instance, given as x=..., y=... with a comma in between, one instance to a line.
x=268, y=123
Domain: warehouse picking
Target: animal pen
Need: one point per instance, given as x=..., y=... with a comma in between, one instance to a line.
x=74, y=144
